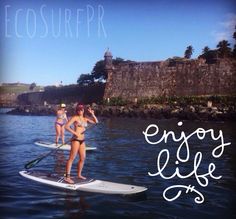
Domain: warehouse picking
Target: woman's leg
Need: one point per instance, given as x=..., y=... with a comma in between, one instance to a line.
x=73, y=152
x=63, y=134
x=58, y=131
x=82, y=155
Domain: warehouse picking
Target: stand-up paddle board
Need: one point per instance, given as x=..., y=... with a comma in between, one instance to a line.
x=88, y=185
x=64, y=147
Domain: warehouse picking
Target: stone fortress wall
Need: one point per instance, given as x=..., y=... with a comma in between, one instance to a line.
x=136, y=80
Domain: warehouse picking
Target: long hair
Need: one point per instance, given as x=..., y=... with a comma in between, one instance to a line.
x=79, y=107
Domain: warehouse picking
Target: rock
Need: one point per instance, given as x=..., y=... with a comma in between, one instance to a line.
x=192, y=112
x=202, y=111
x=175, y=111
x=93, y=105
x=192, y=109
x=166, y=113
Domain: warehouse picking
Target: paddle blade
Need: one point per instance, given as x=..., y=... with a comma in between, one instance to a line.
x=33, y=163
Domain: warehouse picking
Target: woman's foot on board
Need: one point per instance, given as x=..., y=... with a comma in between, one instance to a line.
x=81, y=177
x=68, y=179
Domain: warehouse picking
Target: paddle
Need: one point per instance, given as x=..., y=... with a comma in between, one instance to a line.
x=37, y=160
x=32, y=163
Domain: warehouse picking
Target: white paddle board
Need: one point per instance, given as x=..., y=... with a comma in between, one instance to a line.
x=88, y=185
x=64, y=147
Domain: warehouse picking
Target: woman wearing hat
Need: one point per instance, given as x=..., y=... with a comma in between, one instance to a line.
x=60, y=123
x=80, y=123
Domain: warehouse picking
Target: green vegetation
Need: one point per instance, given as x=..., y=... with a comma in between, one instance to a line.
x=85, y=79
x=174, y=100
x=98, y=73
x=234, y=50
x=189, y=100
x=32, y=86
x=210, y=56
x=224, y=50
x=206, y=49
x=116, y=101
x=176, y=59
x=188, y=52
x=17, y=88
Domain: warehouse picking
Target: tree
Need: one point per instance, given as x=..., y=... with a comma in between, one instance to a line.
x=99, y=72
x=224, y=49
x=205, y=50
x=234, y=50
x=118, y=60
x=85, y=79
x=32, y=86
x=188, y=52
x=210, y=56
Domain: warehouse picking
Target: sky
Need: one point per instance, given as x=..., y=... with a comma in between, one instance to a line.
x=54, y=41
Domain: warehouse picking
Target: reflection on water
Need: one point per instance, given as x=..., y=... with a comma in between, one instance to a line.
x=122, y=156
x=60, y=162
x=72, y=203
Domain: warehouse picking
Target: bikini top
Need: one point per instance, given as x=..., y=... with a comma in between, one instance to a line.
x=81, y=124
x=61, y=116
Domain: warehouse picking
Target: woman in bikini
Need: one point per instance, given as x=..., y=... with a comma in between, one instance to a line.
x=60, y=123
x=78, y=141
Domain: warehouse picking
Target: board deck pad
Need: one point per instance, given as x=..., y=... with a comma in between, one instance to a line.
x=88, y=185
x=64, y=147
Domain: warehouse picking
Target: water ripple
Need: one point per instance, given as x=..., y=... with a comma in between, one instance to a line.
x=122, y=156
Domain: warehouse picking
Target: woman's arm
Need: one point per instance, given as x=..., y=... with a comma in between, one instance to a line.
x=66, y=118
x=68, y=124
x=57, y=113
x=94, y=119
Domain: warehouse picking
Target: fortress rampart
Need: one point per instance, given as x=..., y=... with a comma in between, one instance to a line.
x=136, y=80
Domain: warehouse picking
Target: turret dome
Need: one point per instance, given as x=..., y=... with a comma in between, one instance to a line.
x=108, y=53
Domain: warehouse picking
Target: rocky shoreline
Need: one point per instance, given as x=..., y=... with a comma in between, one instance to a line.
x=157, y=111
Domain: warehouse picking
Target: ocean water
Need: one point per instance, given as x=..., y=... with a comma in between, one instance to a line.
x=122, y=156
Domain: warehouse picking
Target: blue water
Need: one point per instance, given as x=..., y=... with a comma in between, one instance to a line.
x=122, y=156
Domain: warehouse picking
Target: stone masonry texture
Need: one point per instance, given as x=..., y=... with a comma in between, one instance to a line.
x=131, y=80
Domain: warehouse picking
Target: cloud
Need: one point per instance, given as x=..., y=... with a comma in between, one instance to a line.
x=227, y=28
x=230, y=22
x=219, y=36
